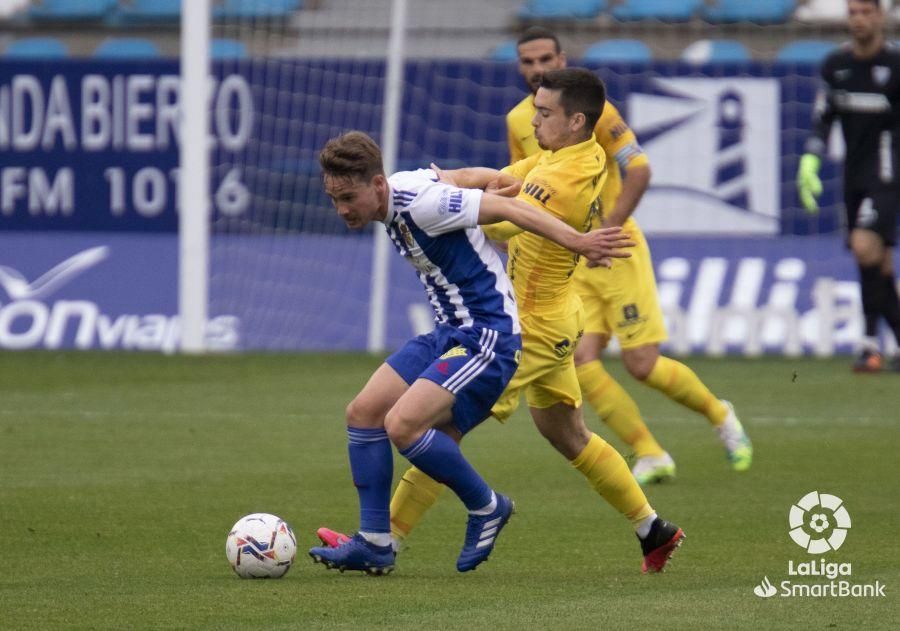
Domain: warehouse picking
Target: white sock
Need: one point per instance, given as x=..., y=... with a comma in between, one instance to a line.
x=378, y=538
x=643, y=528
x=488, y=508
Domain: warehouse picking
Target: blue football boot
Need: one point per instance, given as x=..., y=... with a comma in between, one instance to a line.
x=481, y=534
x=356, y=554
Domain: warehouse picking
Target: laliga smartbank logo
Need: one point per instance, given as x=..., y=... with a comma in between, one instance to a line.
x=818, y=523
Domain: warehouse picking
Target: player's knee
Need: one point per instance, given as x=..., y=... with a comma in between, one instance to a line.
x=639, y=366
x=568, y=438
x=363, y=413
x=867, y=248
x=584, y=355
x=400, y=427
x=589, y=348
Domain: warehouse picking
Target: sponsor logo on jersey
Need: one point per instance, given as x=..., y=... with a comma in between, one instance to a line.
x=537, y=191
x=865, y=102
x=451, y=201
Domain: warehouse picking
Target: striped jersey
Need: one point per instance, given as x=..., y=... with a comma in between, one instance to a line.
x=435, y=227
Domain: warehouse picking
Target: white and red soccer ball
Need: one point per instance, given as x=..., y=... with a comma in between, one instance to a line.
x=261, y=545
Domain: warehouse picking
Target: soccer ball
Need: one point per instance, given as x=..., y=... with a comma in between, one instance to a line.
x=261, y=546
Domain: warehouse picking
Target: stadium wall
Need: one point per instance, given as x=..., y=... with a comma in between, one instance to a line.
x=88, y=248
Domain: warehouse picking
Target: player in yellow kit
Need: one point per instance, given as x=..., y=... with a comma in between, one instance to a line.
x=565, y=180
x=622, y=300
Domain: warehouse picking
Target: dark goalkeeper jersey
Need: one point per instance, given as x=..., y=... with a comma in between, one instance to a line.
x=865, y=95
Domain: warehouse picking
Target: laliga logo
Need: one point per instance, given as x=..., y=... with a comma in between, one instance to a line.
x=819, y=522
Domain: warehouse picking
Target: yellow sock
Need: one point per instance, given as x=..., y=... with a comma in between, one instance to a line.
x=415, y=494
x=616, y=408
x=681, y=384
x=607, y=472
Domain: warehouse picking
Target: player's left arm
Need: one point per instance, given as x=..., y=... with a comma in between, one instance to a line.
x=635, y=182
x=621, y=144
x=467, y=177
x=596, y=245
x=503, y=182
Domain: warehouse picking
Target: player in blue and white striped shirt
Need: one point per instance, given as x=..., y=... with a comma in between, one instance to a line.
x=439, y=386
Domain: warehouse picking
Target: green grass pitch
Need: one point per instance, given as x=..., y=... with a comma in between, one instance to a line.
x=120, y=475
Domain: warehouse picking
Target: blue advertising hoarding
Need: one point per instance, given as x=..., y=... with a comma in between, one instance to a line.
x=88, y=145
x=88, y=220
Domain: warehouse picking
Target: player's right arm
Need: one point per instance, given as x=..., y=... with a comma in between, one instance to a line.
x=596, y=245
x=809, y=186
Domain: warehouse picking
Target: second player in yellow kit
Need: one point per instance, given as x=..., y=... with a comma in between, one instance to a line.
x=622, y=301
x=567, y=184
x=605, y=292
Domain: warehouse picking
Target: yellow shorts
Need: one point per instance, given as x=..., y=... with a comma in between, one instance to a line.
x=622, y=301
x=547, y=370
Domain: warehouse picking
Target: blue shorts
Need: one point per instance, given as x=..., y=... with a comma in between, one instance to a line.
x=474, y=364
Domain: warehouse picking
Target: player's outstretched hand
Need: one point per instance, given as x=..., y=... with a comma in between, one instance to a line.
x=443, y=176
x=505, y=185
x=809, y=186
x=600, y=246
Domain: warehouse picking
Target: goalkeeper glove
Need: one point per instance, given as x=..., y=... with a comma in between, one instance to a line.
x=809, y=186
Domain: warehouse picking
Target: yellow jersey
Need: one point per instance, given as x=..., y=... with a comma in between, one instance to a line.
x=612, y=133
x=566, y=184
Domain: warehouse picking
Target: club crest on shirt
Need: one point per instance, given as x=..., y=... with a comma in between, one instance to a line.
x=414, y=252
x=881, y=74
x=562, y=348
x=407, y=235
